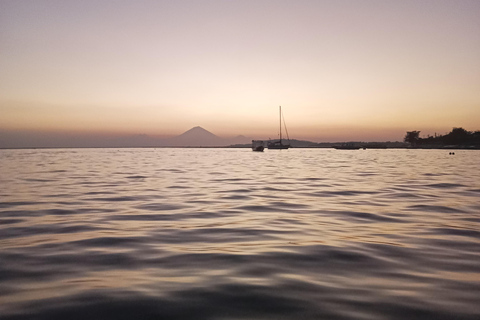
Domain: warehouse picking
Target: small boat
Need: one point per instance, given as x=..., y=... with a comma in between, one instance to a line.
x=277, y=144
x=257, y=145
x=347, y=146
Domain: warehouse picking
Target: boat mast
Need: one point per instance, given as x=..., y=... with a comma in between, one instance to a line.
x=280, y=108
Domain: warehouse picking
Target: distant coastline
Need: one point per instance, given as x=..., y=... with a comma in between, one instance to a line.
x=198, y=137
x=458, y=138
x=313, y=145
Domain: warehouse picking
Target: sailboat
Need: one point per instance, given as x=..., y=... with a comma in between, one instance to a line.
x=277, y=144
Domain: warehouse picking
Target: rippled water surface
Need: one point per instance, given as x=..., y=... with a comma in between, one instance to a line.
x=234, y=234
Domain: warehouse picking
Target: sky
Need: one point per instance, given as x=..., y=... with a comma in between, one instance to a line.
x=341, y=70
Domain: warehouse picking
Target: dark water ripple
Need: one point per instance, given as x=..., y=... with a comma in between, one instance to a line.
x=233, y=234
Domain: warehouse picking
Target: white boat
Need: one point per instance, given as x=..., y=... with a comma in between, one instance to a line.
x=257, y=145
x=278, y=144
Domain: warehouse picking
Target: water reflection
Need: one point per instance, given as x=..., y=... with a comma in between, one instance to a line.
x=229, y=233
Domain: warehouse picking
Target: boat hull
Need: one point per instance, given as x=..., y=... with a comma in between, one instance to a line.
x=257, y=145
x=278, y=146
x=347, y=148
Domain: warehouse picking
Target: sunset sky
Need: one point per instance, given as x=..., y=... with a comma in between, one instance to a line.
x=341, y=70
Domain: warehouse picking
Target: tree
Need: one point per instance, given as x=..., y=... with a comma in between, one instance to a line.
x=458, y=136
x=412, y=137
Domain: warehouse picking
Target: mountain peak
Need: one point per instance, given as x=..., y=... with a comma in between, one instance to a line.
x=199, y=137
x=197, y=131
x=196, y=137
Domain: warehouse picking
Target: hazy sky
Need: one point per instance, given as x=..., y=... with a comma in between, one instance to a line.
x=341, y=70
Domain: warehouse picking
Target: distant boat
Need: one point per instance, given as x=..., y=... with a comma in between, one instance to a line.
x=347, y=146
x=375, y=146
x=257, y=145
x=277, y=144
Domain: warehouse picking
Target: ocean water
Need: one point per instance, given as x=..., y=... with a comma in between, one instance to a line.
x=235, y=234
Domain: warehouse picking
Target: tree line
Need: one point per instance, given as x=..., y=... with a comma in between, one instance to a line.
x=456, y=137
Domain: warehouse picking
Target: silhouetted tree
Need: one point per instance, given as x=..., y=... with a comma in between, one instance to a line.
x=457, y=136
x=476, y=137
x=412, y=137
